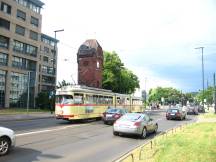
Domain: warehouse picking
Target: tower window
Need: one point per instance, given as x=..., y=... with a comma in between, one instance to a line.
x=98, y=64
x=85, y=63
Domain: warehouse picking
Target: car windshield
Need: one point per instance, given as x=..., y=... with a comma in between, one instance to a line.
x=173, y=110
x=112, y=111
x=131, y=117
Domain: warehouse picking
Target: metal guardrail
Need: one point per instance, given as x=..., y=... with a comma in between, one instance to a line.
x=147, y=150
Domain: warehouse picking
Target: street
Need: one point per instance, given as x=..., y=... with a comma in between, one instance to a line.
x=87, y=141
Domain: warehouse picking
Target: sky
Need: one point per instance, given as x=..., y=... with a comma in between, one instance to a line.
x=155, y=39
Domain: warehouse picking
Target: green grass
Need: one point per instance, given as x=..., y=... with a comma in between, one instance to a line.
x=197, y=143
x=21, y=111
x=208, y=115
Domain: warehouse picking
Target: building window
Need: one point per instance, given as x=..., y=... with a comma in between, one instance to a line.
x=18, y=89
x=22, y=2
x=48, y=79
x=45, y=59
x=4, y=42
x=21, y=15
x=34, y=8
x=34, y=21
x=47, y=70
x=47, y=41
x=52, y=61
x=19, y=62
x=46, y=49
x=29, y=5
x=20, y=30
x=3, y=59
x=5, y=8
x=33, y=35
x=18, y=46
x=25, y=48
x=4, y=24
x=32, y=50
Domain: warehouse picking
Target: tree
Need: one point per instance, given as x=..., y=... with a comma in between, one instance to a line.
x=43, y=101
x=116, y=77
x=170, y=95
x=208, y=95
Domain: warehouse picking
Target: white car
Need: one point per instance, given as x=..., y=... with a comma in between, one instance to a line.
x=7, y=140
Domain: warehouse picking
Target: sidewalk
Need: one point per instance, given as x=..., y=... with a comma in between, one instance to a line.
x=21, y=117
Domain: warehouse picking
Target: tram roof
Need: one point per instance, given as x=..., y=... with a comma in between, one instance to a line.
x=82, y=88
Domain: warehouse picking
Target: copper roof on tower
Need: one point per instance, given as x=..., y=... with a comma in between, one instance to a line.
x=89, y=47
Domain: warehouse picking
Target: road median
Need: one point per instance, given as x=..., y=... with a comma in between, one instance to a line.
x=190, y=142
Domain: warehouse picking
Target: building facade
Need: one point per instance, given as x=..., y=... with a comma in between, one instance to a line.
x=27, y=56
x=90, y=64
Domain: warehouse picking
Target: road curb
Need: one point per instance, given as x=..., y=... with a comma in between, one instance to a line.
x=25, y=119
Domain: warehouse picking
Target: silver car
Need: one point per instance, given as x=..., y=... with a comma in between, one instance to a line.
x=7, y=140
x=135, y=123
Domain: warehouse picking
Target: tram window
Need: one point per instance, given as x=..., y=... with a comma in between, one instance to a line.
x=118, y=100
x=107, y=100
x=111, y=100
x=101, y=100
x=64, y=99
x=78, y=98
x=89, y=99
x=95, y=99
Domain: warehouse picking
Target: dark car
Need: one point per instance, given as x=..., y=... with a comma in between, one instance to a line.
x=192, y=110
x=112, y=114
x=176, y=113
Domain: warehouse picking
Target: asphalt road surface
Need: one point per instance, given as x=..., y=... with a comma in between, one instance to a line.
x=50, y=140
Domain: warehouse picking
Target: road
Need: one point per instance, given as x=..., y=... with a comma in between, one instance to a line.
x=53, y=140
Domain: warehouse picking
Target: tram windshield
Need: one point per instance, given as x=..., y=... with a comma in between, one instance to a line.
x=64, y=99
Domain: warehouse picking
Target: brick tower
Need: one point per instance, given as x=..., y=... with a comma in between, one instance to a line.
x=90, y=64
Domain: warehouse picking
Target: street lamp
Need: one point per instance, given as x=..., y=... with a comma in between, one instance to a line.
x=28, y=87
x=202, y=76
x=55, y=47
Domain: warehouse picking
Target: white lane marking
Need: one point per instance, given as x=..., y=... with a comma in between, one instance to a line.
x=47, y=130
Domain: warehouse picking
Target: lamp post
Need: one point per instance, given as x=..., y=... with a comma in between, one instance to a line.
x=202, y=77
x=55, y=57
x=28, y=84
x=55, y=47
x=214, y=94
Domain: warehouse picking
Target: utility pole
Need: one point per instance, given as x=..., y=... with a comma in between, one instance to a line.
x=214, y=94
x=203, y=86
x=28, y=84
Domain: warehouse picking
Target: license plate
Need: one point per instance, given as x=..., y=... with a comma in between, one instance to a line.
x=124, y=126
x=108, y=115
x=172, y=114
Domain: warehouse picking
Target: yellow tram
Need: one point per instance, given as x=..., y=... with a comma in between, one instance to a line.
x=82, y=102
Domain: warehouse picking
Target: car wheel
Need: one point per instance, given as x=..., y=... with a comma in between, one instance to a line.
x=4, y=146
x=115, y=133
x=105, y=122
x=144, y=133
x=167, y=118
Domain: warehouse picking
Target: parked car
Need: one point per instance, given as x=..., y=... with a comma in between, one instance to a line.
x=135, y=123
x=7, y=140
x=176, y=113
x=201, y=109
x=192, y=110
x=112, y=114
